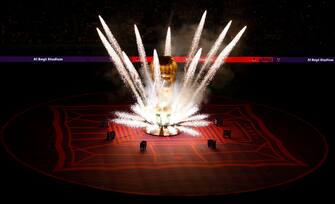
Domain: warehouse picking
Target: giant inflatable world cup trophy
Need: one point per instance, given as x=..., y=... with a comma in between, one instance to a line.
x=168, y=70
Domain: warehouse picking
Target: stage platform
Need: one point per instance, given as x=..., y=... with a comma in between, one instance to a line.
x=66, y=139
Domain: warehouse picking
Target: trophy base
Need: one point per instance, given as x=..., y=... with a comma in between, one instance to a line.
x=163, y=131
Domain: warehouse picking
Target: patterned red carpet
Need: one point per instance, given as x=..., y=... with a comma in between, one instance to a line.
x=65, y=139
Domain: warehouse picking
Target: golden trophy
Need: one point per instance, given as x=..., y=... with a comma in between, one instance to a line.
x=168, y=69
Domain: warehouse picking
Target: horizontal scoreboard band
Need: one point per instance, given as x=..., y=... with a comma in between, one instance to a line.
x=179, y=59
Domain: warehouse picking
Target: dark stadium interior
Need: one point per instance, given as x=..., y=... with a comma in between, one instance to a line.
x=67, y=28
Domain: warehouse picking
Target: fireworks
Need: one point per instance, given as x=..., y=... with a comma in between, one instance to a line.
x=165, y=108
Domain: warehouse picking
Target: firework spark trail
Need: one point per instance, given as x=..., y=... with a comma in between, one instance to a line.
x=131, y=123
x=191, y=70
x=171, y=129
x=176, y=109
x=196, y=123
x=181, y=97
x=213, y=51
x=196, y=40
x=111, y=37
x=143, y=113
x=182, y=107
x=128, y=116
x=217, y=64
x=189, y=131
x=196, y=117
x=119, y=66
x=152, y=127
x=134, y=75
x=157, y=72
x=188, y=77
x=167, y=51
x=152, y=97
x=186, y=114
x=141, y=52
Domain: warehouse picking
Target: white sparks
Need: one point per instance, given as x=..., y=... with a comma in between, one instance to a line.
x=196, y=123
x=213, y=50
x=196, y=40
x=197, y=117
x=191, y=70
x=152, y=127
x=131, y=123
x=128, y=116
x=188, y=130
x=157, y=72
x=160, y=104
x=167, y=51
x=218, y=62
x=111, y=37
x=141, y=52
x=119, y=66
x=143, y=113
x=134, y=75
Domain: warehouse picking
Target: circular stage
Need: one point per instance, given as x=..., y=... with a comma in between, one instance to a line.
x=66, y=139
